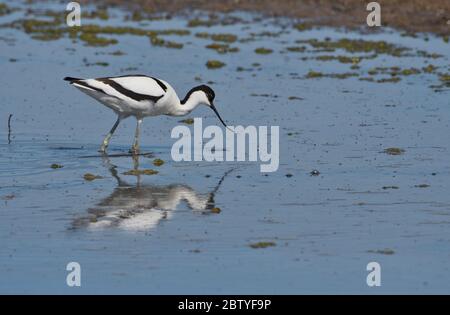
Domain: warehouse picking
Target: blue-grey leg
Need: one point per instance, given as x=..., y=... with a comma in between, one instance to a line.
x=109, y=135
x=135, y=147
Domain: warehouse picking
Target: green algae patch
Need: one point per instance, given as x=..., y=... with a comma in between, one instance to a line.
x=178, y=32
x=141, y=172
x=262, y=245
x=216, y=210
x=429, y=69
x=56, y=166
x=314, y=74
x=325, y=58
x=344, y=59
x=222, y=48
x=214, y=64
x=4, y=9
x=298, y=49
x=157, y=41
x=263, y=51
x=41, y=29
x=33, y=25
x=344, y=75
x=227, y=38
x=389, y=80
x=101, y=14
x=395, y=71
x=199, y=22
x=386, y=251
x=114, y=30
x=394, y=151
x=187, y=121
x=425, y=54
x=90, y=33
x=357, y=45
x=409, y=71
x=158, y=162
x=445, y=78
x=91, y=39
x=49, y=36
x=302, y=26
x=221, y=37
x=90, y=177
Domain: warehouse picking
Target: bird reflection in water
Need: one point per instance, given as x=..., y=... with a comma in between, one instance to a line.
x=141, y=207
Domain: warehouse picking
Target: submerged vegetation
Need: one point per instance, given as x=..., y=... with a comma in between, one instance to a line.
x=4, y=9
x=214, y=64
x=90, y=177
x=136, y=172
x=50, y=25
x=216, y=210
x=187, y=121
x=386, y=251
x=92, y=34
x=199, y=22
x=263, y=51
x=227, y=38
x=394, y=151
x=356, y=46
x=344, y=75
x=158, y=162
x=222, y=48
x=262, y=245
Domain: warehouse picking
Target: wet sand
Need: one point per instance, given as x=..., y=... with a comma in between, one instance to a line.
x=410, y=15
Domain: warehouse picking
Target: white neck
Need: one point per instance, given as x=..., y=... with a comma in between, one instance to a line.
x=194, y=100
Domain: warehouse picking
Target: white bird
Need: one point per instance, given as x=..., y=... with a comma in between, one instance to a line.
x=142, y=207
x=141, y=96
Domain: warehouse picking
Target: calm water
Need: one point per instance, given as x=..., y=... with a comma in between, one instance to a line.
x=157, y=234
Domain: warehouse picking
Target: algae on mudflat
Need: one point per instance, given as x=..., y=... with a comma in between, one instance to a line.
x=214, y=64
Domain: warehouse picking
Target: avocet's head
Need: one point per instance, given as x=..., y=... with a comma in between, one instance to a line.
x=203, y=95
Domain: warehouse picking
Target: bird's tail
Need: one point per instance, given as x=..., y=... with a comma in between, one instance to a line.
x=70, y=79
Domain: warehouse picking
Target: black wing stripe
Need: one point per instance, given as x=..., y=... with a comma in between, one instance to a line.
x=127, y=76
x=162, y=85
x=133, y=95
x=88, y=86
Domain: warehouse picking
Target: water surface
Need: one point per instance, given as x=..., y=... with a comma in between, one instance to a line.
x=158, y=234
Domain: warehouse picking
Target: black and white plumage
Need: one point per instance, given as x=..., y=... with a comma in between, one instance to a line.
x=141, y=96
x=141, y=207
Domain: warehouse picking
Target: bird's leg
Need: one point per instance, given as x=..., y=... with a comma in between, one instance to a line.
x=135, y=158
x=135, y=147
x=109, y=135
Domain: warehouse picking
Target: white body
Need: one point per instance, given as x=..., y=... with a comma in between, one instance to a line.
x=142, y=96
x=126, y=106
x=143, y=207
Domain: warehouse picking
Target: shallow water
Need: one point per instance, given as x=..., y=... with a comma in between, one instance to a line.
x=157, y=234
